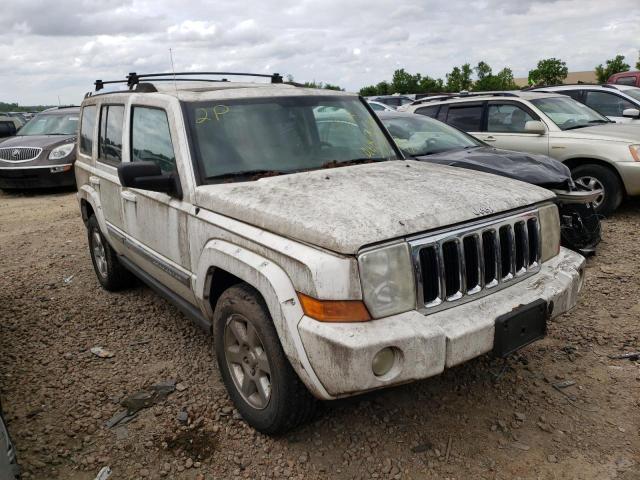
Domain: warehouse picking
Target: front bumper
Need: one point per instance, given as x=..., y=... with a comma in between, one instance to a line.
x=36, y=177
x=341, y=354
x=630, y=174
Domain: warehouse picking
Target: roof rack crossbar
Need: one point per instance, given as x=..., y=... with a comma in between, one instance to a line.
x=133, y=78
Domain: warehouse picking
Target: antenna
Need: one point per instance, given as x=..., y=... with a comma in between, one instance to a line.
x=173, y=69
x=59, y=101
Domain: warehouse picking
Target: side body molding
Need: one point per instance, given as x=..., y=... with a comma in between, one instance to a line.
x=278, y=292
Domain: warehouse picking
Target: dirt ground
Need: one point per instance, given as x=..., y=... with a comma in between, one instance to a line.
x=487, y=419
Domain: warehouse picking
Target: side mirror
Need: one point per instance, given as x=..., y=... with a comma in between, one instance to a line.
x=147, y=176
x=536, y=127
x=631, y=113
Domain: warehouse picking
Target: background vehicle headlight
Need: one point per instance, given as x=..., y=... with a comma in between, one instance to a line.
x=550, y=232
x=61, y=151
x=635, y=152
x=388, y=285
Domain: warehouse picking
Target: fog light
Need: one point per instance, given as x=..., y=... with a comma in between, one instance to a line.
x=60, y=169
x=383, y=361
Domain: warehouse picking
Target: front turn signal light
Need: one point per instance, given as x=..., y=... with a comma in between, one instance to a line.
x=334, y=310
x=635, y=152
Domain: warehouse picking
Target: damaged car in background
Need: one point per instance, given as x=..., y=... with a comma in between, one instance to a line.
x=429, y=140
x=287, y=223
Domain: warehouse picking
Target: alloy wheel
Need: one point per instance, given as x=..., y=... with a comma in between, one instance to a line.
x=247, y=361
x=592, y=183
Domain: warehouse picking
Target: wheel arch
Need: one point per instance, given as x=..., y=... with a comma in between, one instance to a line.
x=231, y=264
x=580, y=161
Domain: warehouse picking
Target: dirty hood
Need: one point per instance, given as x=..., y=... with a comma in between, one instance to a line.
x=539, y=170
x=39, y=141
x=344, y=209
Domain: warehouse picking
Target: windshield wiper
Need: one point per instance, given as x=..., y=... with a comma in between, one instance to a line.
x=573, y=127
x=249, y=173
x=601, y=121
x=355, y=161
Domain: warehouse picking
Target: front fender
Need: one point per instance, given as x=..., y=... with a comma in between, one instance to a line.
x=277, y=290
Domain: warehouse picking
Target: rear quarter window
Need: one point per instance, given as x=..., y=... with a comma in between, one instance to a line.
x=466, y=118
x=87, y=126
x=626, y=81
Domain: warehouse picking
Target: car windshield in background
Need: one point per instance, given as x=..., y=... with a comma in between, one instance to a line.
x=632, y=92
x=51, y=124
x=250, y=138
x=567, y=113
x=418, y=135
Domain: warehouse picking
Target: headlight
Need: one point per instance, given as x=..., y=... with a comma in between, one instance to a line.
x=635, y=152
x=550, y=231
x=61, y=151
x=388, y=285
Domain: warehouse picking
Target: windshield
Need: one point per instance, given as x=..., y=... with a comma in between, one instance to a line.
x=419, y=135
x=632, y=92
x=275, y=135
x=567, y=113
x=52, y=124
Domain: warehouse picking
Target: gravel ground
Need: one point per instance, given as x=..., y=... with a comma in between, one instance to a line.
x=487, y=419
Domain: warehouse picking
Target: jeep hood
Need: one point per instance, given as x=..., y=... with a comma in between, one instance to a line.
x=343, y=209
x=613, y=132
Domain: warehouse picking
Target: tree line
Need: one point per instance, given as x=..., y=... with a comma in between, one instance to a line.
x=549, y=71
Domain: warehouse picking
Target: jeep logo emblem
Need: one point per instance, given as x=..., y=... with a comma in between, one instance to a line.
x=15, y=153
x=482, y=209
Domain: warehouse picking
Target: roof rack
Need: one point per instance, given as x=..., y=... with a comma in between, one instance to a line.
x=578, y=84
x=134, y=78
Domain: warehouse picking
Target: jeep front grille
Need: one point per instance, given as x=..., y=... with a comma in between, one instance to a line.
x=19, y=154
x=469, y=262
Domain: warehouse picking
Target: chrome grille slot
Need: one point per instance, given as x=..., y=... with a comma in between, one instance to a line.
x=452, y=269
x=533, y=227
x=19, y=154
x=469, y=262
x=431, y=282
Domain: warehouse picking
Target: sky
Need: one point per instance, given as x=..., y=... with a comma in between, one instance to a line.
x=58, y=48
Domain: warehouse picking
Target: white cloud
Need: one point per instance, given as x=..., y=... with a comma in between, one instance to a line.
x=60, y=48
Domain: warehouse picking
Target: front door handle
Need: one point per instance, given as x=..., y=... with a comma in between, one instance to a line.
x=128, y=196
x=490, y=139
x=95, y=181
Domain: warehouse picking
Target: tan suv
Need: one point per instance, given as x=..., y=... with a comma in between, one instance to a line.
x=601, y=154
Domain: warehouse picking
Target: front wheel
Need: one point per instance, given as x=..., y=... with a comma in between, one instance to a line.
x=260, y=381
x=598, y=177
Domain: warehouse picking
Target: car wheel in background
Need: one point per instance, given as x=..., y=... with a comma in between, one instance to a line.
x=111, y=274
x=594, y=177
x=260, y=381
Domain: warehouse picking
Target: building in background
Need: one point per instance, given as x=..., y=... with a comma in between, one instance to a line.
x=588, y=76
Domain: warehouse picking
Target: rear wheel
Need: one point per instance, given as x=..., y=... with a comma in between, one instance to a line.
x=111, y=274
x=598, y=177
x=260, y=381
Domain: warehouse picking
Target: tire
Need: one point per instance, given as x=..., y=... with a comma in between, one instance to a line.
x=287, y=403
x=611, y=186
x=112, y=275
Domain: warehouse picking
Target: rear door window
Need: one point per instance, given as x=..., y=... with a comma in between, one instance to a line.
x=86, y=129
x=608, y=104
x=110, y=142
x=151, y=138
x=465, y=117
x=507, y=118
x=431, y=111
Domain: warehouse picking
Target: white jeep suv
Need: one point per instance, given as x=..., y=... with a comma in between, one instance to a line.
x=601, y=154
x=286, y=222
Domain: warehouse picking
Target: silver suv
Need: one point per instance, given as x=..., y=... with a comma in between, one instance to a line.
x=601, y=154
x=620, y=103
x=286, y=222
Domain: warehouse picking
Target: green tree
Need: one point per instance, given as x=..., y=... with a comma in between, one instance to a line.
x=459, y=78
x=404, y=82
x=612, y=66
x=549, y=71
x=383, y=88
x=430, y=85
x=638, y=65
x=368, y=91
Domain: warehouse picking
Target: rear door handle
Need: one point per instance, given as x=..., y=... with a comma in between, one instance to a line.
x=128, y=196
x=490, y=139
x=94, y=180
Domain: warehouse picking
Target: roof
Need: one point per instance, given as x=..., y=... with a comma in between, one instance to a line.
x=197, y=90
x=480, y=96
x=587, y=86
x=54, y=110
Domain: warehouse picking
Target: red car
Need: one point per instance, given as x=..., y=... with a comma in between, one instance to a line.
x=626, y=78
